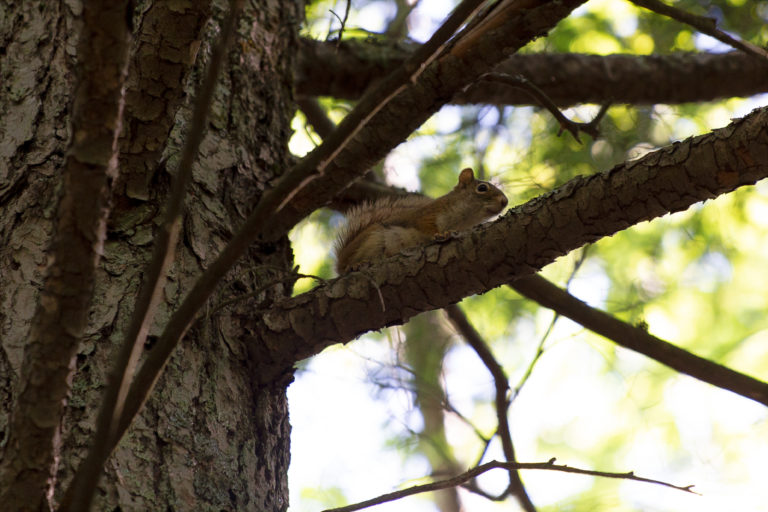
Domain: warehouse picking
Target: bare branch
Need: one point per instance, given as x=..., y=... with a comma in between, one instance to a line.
x=316, y=115
x=29, y=463
x=572, y=127
x=479, y=470
x=702, y=24
x=342, y=21
x=501, y=383
x=637, y=339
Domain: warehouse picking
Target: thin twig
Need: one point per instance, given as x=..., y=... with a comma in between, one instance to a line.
x=573, y=127
x=80, y=491
x=540, y=348
x=536, y=356
x=289, y=276
x=479, y=470
x=343, y=21
x=702, y=24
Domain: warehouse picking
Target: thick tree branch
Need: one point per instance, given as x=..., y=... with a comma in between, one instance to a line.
x=634, y=338
x=448, y=73
x=522, y=241
x=568, y=79
x=29, y=462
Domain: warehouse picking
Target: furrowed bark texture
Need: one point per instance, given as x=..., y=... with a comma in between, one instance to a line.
x=165, y=51
x=522, y=241
x=32, y=449
x=37, y=76
x=209, y=439
x=344, y=71
x=212, y=439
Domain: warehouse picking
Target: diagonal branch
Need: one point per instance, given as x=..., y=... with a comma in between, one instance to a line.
x=524, y=240
x=702, y=24
x=29, y=464
x=634, y=338
x=448, y=73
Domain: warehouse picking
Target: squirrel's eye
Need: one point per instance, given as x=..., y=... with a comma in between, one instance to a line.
x=483, y=187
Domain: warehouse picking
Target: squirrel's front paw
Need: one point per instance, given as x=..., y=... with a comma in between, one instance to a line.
x=445, y=236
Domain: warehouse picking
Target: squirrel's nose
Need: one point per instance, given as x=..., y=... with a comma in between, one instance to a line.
x=504, y=201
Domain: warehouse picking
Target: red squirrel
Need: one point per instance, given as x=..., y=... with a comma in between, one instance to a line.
x=387, y=226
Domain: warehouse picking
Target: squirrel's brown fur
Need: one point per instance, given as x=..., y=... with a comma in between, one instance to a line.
x=387, y=226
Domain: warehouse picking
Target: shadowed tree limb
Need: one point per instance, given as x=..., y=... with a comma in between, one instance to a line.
x=568, y=79
x=637, y=339
x=702, y=24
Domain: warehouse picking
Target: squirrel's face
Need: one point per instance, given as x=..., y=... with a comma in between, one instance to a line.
x=493, y=199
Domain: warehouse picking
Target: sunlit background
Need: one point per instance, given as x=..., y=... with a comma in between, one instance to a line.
x=697, y=279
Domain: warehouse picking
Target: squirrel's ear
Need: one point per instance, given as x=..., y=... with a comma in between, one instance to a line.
x=466, y=177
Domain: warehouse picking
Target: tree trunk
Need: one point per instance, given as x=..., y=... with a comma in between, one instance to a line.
x=213, y=436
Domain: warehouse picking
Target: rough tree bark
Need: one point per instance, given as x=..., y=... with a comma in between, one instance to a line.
x=210, y=438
